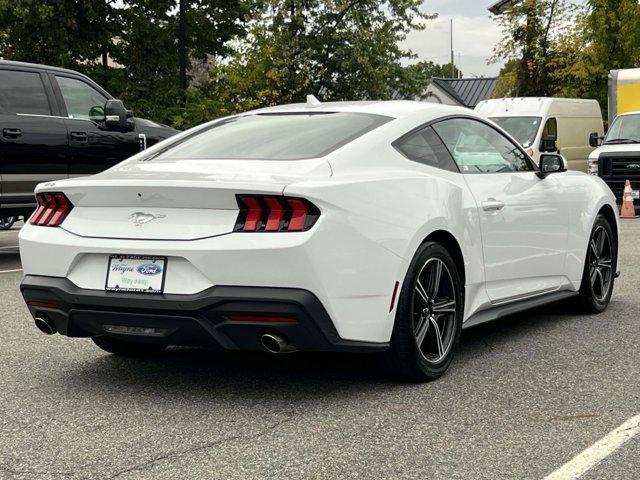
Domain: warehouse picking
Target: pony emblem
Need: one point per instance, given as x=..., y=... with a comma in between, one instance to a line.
x=140, y=218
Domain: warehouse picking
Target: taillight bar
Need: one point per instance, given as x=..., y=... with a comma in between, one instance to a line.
x=53, y=208
x=265, y=213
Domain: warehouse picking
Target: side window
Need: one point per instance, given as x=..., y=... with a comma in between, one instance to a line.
x=79, y=97
x=22, y=92
x=424, y=146
x=478, y=148
x=550, y=128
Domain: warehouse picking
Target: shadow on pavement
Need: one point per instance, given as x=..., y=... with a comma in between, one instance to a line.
x=247, y=374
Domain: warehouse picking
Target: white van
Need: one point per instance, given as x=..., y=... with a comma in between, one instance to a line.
x=544, y=124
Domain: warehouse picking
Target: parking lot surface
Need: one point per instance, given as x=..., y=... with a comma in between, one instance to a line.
x=523, y=396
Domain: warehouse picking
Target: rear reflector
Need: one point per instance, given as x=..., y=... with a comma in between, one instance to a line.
x=261, y=213
x=260, y=319
x=53, y=208
x=36, y=303
x=393, y=296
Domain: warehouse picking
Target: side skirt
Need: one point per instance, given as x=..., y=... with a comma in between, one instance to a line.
x=503, y=310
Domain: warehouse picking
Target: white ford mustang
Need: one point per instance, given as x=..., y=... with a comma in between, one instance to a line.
x=365, y=226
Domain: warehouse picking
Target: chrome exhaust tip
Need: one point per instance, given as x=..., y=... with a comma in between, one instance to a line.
x=45, y=325
x=274, y=343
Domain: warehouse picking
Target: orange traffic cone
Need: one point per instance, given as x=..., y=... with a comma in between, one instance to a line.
x=628, y=210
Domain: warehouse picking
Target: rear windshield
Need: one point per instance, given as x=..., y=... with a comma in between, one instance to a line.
x=523, y=129
x=279, y=136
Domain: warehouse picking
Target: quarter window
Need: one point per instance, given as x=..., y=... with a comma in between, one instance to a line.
x=550, y=128
x=424, y=146
x=79, y=97
x=22, y=92
x=479, y=148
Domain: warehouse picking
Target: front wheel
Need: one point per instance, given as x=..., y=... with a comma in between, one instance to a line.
x=126, y=348
x=599, y=270
x=429, y=316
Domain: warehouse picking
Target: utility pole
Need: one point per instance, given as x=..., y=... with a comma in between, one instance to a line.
x=181, y=52
x=453, y=71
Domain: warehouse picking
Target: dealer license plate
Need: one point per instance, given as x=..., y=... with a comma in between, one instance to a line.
x=136, y=273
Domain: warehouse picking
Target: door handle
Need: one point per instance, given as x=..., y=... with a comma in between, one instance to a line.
x=79, y=136
x=492, y=205
x=11, y=132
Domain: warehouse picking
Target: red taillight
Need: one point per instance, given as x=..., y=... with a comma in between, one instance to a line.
x=261, y=213
x=53, y=208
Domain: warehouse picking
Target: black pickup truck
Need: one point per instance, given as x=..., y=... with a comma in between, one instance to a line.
x=57, y=123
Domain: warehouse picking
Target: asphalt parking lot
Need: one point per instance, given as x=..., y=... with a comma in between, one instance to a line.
x=524, y=396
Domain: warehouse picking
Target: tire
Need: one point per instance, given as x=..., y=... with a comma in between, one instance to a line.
x=595, y=297
x=417, y=316
x=7, y=222
x=125, y=348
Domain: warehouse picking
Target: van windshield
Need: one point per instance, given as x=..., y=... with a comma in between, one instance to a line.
x=274, y=136
x=624, y=129
x=523, y=129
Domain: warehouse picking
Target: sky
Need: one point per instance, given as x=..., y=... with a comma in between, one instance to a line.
x=474, y=36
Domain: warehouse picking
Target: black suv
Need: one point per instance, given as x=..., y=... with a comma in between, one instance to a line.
x=57, y=123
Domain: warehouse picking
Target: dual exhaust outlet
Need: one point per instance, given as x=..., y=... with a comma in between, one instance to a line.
x=275, y=343
x=270, y=342
x=45, y=325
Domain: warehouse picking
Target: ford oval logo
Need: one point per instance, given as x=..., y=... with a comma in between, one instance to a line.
x=633, y=166
x=149, y=269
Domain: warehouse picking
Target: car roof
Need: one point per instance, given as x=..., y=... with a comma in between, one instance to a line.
x=38, y=66
x=389, y=108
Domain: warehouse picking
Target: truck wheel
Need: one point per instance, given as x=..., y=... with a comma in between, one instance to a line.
x=7, y=222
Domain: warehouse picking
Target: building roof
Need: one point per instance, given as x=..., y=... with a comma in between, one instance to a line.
x=467, y=91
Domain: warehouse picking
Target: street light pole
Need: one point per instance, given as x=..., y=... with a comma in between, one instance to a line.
x=181, y=51
x=453, y=71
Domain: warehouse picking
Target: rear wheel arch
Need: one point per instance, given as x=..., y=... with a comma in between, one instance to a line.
x=607, y=212
x=449, y=242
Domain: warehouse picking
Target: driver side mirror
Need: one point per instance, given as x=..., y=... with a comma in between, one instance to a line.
x=551, y=163
x=549, y=144
x=96, y=114
x=594, y=139
x=117, y=117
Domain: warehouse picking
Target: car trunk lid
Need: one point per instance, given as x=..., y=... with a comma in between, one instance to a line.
x=184, y=200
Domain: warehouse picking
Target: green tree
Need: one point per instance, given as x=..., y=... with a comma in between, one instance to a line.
x=337, y=50
x=61, y=33
x=531, y=30
x=139, y=36
x=606, y=36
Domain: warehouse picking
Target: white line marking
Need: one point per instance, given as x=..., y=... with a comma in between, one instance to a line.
x=2, y=248
x=597, y=452
x=11, y=271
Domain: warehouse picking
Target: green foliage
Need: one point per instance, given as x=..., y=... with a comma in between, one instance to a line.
x=140, y=36
x=337, y=50
x=606, y=36
x=61, y=32
x=532, y=32
x=574, y=59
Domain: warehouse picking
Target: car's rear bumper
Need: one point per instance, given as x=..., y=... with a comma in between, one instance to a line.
x=227, y=316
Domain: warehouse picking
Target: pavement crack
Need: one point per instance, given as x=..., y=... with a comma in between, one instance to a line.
x=206, y=446
x=36, y=473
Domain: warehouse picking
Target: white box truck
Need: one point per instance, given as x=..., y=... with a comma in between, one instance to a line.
x=543, y=124
x=624, y=92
